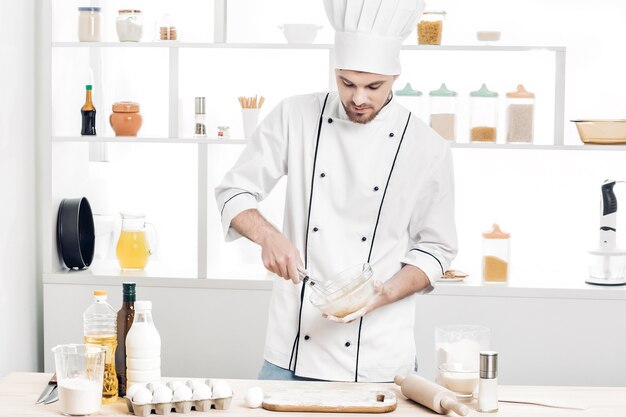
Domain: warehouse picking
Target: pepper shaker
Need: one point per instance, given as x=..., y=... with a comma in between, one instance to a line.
x=200, y=119
x=488, y=382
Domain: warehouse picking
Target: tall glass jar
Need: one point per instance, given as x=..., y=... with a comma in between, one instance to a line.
x=483, y=115
x=443, y=105
x=89, y=24
x=430, y=28
x=129, y=25
x=520, y=115
x=496, y=255
x=412, y=100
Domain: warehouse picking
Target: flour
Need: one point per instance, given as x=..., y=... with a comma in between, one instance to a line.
x=79, y=396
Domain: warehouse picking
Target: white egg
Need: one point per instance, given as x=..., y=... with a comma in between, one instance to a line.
x=142, y=396
x=221, y=389
x=162, y=394
x=254, y=397
x=182, y=393
x=132, y=390
x=173, y=385
x=202, y=392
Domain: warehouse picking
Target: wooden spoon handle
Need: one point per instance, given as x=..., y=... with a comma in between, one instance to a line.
x=450, y=404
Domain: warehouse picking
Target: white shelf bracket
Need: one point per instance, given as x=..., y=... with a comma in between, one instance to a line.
x=220, y=19
x=559, y=97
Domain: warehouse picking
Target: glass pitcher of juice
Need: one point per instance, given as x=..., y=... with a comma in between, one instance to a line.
x=133, y=249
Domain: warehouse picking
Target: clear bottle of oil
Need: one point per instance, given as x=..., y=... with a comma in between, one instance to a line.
x=100, y=328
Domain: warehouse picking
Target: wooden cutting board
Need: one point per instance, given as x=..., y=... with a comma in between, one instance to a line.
x=331, y=401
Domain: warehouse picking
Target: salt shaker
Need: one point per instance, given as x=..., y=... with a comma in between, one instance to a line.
x=443, y=112
x=520, y=112
x=483, y=115
x=488, y=382
x=200, y=119
x=496, y=255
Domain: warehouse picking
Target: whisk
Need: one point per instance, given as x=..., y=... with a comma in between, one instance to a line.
x=317, y=286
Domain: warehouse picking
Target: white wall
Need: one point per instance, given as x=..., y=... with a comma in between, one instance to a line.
x=20, y=293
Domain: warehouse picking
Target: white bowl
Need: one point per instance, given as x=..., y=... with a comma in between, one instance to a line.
x=299, y=32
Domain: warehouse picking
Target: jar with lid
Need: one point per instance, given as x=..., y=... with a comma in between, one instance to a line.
x=443, y=104
x=126, y=119
x=520, y=115
x=129, y=25
x=89, y=24
x=412, y=100
x=496, y=255
x=430, y=28
x=483, y=115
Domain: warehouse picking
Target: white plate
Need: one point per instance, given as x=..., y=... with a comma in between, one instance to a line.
x=450, y=279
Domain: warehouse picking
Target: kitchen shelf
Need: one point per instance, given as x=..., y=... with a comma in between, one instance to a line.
x=538, y=147
x=214, y=141
x=139, y=139
x=211, y=45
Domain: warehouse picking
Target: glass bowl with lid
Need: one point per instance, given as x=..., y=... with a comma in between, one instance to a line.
x=346, y=292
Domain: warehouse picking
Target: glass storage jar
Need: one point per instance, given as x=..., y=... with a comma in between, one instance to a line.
x=167, y=28
x=129, y=25
x=443, y=104
x=483, y=115
x=520, y=115
x=496, y=255
x=89, y=24
x=430, y=28
x=412, y=100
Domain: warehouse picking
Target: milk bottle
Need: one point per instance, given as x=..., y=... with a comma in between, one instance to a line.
x=143, y=347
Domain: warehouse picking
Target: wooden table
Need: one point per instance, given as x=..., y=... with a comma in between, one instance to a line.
x=19, y=391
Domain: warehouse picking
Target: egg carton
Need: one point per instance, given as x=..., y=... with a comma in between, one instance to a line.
x=182, y=407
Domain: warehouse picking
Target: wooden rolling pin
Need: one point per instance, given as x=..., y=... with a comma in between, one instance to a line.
x=430, y=395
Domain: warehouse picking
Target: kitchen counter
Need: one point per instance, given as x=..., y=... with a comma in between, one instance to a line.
x=19, y=391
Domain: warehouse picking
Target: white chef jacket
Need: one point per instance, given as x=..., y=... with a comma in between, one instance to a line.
x=381, y=192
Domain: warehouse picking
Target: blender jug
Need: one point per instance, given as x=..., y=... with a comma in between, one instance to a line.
x=80, y=372
x=133, y=248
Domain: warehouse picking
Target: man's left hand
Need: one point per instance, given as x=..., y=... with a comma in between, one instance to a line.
x=376, y=302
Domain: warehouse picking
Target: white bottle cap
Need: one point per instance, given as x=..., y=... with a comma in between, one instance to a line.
x=143, y=305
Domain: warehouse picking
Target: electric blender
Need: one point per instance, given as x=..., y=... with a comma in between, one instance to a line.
x=607, y=261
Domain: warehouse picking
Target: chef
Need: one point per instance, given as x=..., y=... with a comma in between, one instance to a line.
x=367, y=182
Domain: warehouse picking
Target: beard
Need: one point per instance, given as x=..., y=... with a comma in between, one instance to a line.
x=360, y=118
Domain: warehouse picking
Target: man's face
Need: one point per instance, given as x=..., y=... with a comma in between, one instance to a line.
x=363, y=94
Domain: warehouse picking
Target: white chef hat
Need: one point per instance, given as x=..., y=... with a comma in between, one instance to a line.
x=369, y=33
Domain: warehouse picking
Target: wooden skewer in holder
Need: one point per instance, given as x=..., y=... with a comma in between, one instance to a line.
x=430, y=395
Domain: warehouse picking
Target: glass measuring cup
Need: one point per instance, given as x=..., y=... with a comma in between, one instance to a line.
x=80, y=372
x=133, y=248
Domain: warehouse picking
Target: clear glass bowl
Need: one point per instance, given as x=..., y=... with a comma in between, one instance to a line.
x=346, y=292
x=460, y=380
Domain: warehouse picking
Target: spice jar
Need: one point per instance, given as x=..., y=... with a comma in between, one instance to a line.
x=89, y=24
x=483, y=115
x=129, y=25
x=167, y=29
x=496, y=255
x=430, y=28
x=223, y=132
x=443, y=103
x=412, y=100
x=520, y=114
x=126, y=119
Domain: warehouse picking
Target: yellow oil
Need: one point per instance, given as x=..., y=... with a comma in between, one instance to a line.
x=110, y=383
x=132, y=249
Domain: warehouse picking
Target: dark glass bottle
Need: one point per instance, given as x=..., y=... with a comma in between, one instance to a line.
x=125, y=318
x=88, y=113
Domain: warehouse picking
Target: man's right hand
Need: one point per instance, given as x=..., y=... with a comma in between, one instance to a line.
x=278, y=253
x=280, y=256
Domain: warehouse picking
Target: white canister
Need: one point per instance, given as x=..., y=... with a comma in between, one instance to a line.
x=89, y=24
x=129, y=25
